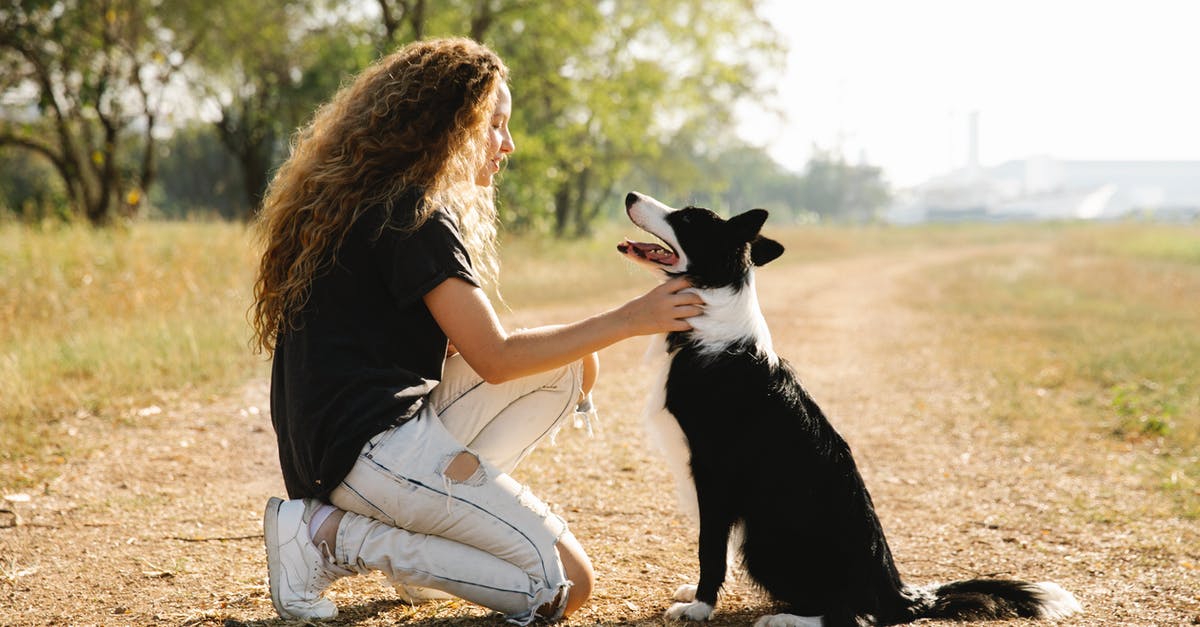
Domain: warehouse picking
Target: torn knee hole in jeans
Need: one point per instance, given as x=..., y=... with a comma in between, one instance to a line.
x=463, y=467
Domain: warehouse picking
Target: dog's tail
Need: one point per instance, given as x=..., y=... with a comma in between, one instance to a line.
x=990, y=599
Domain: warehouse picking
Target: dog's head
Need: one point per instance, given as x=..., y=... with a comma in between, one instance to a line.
x=699, y=244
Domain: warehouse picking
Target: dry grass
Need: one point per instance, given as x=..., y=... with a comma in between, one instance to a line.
x=1099, y=328
x=96, y=324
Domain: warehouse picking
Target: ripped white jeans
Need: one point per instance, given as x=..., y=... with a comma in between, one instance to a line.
x=486, y=539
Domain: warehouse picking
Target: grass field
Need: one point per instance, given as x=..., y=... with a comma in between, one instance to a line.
x=1098, y=333
x=1100, y=328
x=99, y=325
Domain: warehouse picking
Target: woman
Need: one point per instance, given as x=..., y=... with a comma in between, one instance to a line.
x=399, y=401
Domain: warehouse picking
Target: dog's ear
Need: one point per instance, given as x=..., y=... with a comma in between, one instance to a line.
x=764, y=250
x=746, y=225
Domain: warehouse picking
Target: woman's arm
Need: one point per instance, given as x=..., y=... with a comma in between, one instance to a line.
x=468, y=319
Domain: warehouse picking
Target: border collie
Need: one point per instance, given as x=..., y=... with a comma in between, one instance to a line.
x=767, y=468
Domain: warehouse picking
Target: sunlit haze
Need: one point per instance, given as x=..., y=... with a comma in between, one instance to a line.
x=896, y=82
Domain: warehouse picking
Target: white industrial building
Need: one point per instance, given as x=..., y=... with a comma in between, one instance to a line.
x=1045, y=188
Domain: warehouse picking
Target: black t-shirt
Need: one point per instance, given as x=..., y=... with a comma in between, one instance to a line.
x=366, y=351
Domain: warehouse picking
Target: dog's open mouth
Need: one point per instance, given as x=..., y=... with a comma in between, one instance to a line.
x=655, y=253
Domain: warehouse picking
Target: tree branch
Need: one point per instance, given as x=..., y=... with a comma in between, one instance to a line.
x=11, y=139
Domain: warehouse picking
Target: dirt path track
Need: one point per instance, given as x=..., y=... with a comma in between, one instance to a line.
x=162, y=524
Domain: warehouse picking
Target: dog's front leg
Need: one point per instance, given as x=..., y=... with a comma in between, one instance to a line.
x=716, y=520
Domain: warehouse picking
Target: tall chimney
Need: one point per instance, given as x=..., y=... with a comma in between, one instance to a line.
x=973, y=142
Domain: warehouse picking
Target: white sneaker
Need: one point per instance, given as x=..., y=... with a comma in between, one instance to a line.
x=296, y=568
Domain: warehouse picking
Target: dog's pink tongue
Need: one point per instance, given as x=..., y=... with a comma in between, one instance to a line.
x=650, y=251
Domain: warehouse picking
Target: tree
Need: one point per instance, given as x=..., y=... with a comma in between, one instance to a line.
x=402, y=20
x=649, y=83
x=83, y=78
x=601, y=88
x=262, y=70
x=28, y=187
x=197, y=175
x=841, y=191
x=740, y=177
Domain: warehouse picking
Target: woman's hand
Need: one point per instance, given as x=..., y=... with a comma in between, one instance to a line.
x=663, y=309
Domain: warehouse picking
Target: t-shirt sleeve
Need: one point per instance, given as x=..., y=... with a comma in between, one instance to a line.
x=414, y=264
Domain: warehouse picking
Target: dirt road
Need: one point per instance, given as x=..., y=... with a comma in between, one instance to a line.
x=162, y=523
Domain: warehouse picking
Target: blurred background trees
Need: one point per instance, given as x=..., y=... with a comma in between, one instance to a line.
x=116, y=108
x=84, y=87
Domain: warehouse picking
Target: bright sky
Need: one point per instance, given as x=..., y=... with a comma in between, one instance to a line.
x=895, y=81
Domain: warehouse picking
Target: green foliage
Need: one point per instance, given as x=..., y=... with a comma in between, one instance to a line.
x=197, y=176
x=78, y=75
x=835, y=189
x=29, y=189
x=606, y=91
x=740, y=178
x=1141, y=412
x=263, y=68
x=609, y=96
x=654, y=84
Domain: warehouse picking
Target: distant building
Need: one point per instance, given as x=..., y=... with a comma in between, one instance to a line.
x=1044, y=188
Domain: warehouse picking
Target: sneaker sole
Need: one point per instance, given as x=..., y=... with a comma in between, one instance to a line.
x=271, y=537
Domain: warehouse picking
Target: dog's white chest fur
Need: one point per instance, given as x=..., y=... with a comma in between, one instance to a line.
x=730, y=317
x=664, y=432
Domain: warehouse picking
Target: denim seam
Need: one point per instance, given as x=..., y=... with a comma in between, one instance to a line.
x=541, y=556
x=442, y=410
x=562, y=415
x=369, y=503
x=470, y=583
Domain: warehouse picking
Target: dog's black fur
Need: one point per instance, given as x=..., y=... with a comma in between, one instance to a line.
x=764, y=455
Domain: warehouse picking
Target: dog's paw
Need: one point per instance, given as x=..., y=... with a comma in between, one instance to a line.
x=697, y=610
x=685, y=593
x=788, y=620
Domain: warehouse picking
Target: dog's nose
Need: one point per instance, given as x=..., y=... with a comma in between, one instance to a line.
x=632, y=198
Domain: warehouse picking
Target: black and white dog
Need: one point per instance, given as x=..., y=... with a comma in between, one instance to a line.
x=762, y=459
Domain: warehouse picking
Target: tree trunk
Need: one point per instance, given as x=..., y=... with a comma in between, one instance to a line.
x=562, y=208
x=256, y=164
x=418, y=20
x=583, y=182
x=481, y=21
x=413, y=13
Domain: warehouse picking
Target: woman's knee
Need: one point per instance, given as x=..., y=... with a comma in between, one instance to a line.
x=590, y=372
x=462, y=467
x=578, y=568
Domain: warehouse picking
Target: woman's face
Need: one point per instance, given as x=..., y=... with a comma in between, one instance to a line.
x=499, y=140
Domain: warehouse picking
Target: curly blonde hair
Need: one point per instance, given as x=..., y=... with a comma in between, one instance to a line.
x=413, y=120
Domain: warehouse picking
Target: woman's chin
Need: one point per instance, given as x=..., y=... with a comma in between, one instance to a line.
x=486, y=177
